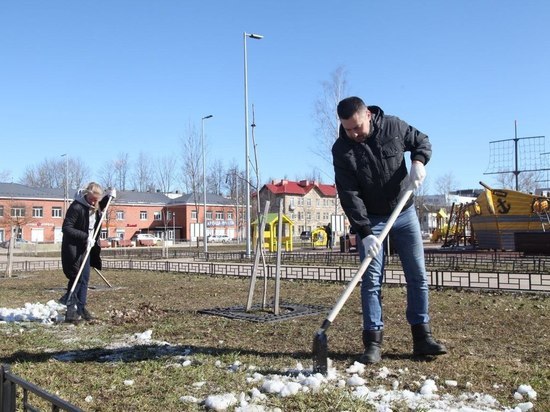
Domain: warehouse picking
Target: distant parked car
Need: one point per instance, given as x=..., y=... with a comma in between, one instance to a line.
x=219, y=238
x=146, y=239
x=305, y=235
x=18, y=243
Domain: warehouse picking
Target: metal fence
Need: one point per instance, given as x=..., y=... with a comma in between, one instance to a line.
x=9, y=384
x=509, y=281
x=510, y=271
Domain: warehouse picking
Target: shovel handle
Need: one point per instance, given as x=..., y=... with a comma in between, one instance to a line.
x=366, y=262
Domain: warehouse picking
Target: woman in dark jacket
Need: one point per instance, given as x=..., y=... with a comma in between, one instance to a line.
x=80, y=222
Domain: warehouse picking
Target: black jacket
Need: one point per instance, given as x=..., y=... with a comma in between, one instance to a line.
x=371, y=175
x=75, y=236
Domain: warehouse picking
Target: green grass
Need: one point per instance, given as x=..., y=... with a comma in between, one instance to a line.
x=497, y=341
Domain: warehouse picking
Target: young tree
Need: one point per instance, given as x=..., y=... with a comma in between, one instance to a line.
x=191, y=167
x=18, y=216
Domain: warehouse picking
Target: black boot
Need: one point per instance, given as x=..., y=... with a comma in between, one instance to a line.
x=84, y=313
x=372, y=340
x=424, y=343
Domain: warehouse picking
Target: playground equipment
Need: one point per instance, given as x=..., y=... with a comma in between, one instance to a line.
x=270, y=232
x=319, y=237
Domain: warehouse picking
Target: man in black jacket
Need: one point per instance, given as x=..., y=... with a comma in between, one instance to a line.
x=81, y=220
x=371, y=173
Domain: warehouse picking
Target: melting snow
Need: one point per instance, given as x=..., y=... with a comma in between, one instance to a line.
x=300, y=379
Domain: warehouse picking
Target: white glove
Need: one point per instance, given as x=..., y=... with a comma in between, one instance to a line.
x=418, y=173
x=91, y=242
x=112, y=193
x=372, y=245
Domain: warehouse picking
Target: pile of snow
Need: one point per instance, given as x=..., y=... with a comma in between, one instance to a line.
x=34, y=312
x=381, y=391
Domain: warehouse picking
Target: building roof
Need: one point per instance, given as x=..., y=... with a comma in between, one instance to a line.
x=301, y=188
x=211, y=199
x=19, y=191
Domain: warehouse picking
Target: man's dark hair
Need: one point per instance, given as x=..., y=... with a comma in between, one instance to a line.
x=349, y=106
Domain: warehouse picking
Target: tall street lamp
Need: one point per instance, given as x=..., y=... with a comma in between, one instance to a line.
x=205, y=237
x=247, y=166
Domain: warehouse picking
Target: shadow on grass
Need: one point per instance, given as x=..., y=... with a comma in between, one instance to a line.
x=138, y=353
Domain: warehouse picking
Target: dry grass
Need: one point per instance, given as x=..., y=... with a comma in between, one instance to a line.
x=497, y=341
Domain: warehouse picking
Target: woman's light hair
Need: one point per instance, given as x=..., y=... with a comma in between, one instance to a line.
x=94, y=189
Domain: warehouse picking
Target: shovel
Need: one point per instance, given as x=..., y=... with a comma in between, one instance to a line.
x=72, y=314
x=320, y=339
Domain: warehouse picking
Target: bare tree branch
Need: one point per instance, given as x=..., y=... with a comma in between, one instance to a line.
x=325, y=115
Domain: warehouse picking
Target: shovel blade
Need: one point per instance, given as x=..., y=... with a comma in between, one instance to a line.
x=320, y=352
x=72, y=314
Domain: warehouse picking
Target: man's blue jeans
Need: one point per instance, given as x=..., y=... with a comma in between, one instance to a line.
x=406, y=238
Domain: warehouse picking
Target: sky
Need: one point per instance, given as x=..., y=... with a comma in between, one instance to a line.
x=94, y=79
x=389, y=389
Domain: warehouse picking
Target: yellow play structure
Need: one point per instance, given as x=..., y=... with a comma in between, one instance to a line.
x=319, y=237
x=270, y=232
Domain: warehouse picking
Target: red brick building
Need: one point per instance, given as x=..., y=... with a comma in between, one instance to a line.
x=36, y=214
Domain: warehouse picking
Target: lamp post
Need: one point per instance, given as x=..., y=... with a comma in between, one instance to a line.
x=205, y=238
x=247, y=167
x=66, y=185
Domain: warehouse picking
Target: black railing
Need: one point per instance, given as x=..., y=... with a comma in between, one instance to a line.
x=9, y=396
x=499, y=280
x=509, y=271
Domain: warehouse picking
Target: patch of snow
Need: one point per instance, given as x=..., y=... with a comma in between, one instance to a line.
x=220, y=402
x=527, y=390
x=34, y=312
x=189, y=399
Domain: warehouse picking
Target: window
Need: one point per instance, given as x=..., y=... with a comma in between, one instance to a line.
x=308, y=202
x=325, y=202
x=143, y=215
x=325, y=216
x=1, y=211
x=219, y=215
x=56, y=212
x=157, y=216
x=37, y=211
x=300, y=201
x=308, y=215
x=120, y=215
x=17, y=211
x=194, y=214
x=229, y=215
x=318, y=202
x=209, y=215
x=318, y=216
